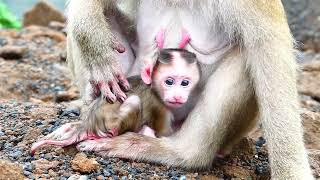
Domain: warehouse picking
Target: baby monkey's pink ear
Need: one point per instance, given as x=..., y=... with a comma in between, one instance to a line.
x=146, y=74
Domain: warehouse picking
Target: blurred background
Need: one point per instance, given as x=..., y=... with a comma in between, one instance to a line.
x=35, y=89
x=18, y=7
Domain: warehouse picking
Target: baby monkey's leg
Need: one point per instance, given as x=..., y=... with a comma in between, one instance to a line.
x=72, y=133
x=68, y=134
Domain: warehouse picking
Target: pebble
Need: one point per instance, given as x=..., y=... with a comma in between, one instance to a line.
x=39, y=122
x=58, y=88
x=48, y=157
x=28, y=167
x=133, y=171
x=12, y=52
x=27, y=173
x=3, y=41
x=15, y=154
x=31, y=176
x=115, y=177
x=78, y=177
x=29, y=158
x=70, y=112
x=106, y=173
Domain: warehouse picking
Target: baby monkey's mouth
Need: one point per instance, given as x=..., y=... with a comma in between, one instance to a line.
x=174, y=104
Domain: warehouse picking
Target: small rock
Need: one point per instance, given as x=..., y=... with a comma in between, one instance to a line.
x=52, y=173
x=28, y=167
x=48, y=157
x=311, y=124
x=70, y=112
x=106, y=173
x=3, y=41
x=27, y=173
x=69, y=95
x=1, y=133
x=10, y=171
x=15, y=154
x=12, y=52
x=43, y=165
x=42, y=14
x=237, y=172
x=82, y=164
x=183, y=178
x=100, y=177
x=308, y=81
x=78, y=177
x=39, y=122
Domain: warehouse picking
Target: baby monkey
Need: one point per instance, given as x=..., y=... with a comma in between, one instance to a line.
x=175, y=75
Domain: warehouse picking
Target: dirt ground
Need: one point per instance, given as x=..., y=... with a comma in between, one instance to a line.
x=35, y=88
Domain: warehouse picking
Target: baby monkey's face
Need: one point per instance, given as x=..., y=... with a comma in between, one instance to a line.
x=175, y=80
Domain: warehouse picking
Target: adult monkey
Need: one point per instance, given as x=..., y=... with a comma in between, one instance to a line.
x=257, y=77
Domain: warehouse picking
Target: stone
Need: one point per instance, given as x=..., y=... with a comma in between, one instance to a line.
x=42, y=14
x=10, y=171
x=12, y=52
x=308, y=81
x=78, y=177
x=43, y=165
x=311, y=124
x=83, y=164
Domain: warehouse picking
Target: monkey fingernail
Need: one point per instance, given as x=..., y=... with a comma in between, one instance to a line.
x=127, y=87
x=121, y=99
x=111, y=99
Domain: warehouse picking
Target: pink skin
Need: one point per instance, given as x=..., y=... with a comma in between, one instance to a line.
x=146, y=74
x=185, y=39
x=160, y=38
x=120, y=48
x=73, y=139
x=222, y=154
x=147, y=131
x=147, y=70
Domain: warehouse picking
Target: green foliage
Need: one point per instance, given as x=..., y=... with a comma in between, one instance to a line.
x=7, y=20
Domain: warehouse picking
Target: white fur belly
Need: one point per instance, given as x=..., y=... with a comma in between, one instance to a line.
x=208, y=41
x=126, y=58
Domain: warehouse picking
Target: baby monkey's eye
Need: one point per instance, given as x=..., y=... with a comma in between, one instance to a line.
x=185, y=82
x=169, y=81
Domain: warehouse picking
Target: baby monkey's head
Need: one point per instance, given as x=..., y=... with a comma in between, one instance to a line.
x=175, y=75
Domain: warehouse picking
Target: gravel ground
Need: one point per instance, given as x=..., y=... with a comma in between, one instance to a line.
x=34, y=90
